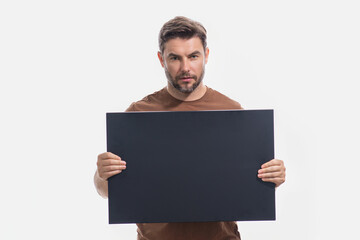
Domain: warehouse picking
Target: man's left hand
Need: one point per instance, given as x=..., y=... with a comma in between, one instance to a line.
x=273, y=171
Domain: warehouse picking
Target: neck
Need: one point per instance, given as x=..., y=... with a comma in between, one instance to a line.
x=198, y=93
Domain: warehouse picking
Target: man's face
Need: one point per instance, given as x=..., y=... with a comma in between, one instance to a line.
x=184, y=63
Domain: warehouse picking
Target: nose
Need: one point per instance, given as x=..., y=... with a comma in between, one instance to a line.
x=185, y=65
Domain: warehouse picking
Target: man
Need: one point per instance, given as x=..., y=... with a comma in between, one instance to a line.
x=183, y=55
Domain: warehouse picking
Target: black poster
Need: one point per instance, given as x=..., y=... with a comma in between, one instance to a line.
x=191, y=166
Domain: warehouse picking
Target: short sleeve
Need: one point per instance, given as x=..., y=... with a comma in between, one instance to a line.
x=131, y=108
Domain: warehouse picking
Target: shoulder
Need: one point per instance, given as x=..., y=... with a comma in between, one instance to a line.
x=147, y=103
x=221, y=98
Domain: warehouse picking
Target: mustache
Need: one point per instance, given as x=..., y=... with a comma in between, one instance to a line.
x=185, y=75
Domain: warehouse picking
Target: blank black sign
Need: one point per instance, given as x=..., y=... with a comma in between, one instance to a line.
x=191, y=166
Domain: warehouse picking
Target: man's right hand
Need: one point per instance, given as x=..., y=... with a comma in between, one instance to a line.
x=109, y=164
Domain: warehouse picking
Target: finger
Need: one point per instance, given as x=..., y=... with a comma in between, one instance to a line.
x=106, y=175
x=270, y=169
x=113, y=168
x=272, y=162
x=270, y=175
x=107, y=162
x=277, y=181
x=108, y=155
x=280, y=174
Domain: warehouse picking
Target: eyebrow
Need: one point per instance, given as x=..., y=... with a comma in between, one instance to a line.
x=195, y=53
x=172, y=55
x=175, y=55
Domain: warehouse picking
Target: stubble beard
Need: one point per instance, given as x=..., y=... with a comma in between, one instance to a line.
x=174, y=82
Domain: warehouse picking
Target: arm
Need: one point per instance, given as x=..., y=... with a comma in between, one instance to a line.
x=273, y=171
x=108, y=165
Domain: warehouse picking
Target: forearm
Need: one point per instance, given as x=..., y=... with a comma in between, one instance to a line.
x=101, y=185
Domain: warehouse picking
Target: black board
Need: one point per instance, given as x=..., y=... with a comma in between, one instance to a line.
x=193, y=166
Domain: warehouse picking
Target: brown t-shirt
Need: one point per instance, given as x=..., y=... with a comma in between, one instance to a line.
x=163, y=101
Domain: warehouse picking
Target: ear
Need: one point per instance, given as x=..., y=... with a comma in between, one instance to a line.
x=206, y=55
x=161, y=59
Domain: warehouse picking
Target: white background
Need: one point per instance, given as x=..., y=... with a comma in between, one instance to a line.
x=64, y=64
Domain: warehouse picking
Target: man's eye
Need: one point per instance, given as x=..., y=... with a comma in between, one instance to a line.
x=194, y=56
x=174, y=58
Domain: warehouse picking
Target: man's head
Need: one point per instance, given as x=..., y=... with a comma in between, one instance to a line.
x=181, y=27
x=183, y=53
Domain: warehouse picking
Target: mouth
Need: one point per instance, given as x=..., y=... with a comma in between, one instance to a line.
x=186, y=79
